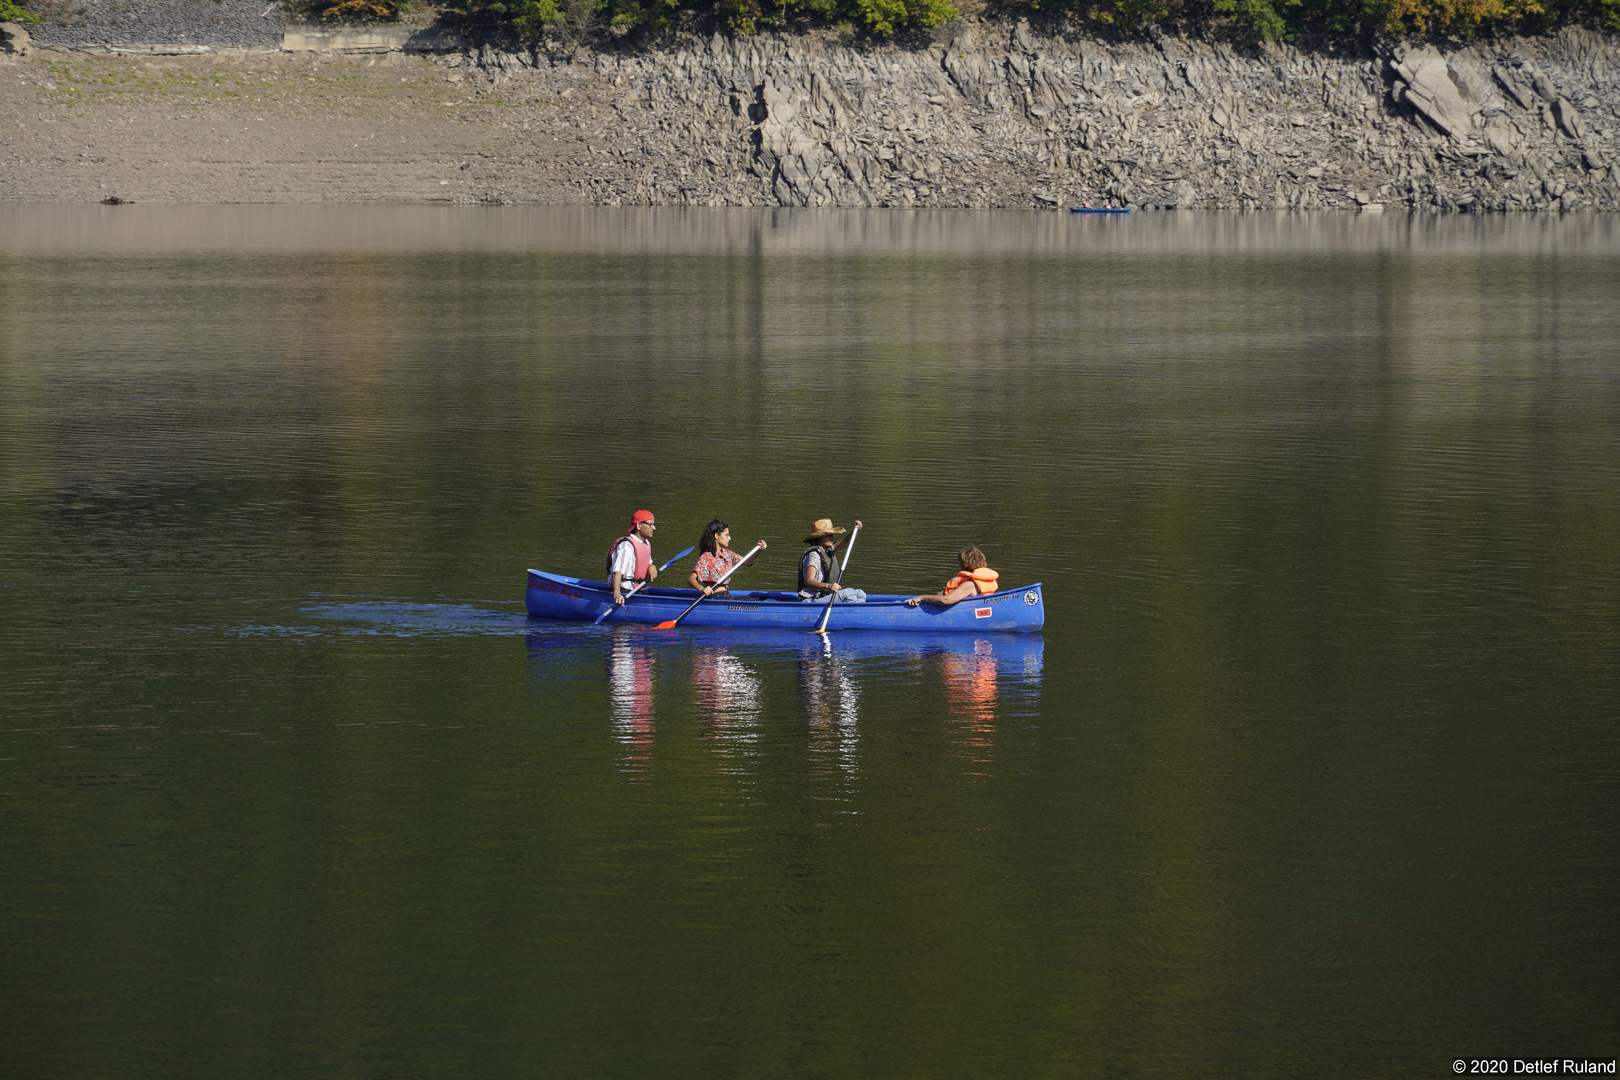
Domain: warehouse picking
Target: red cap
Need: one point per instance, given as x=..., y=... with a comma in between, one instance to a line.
x=638, y=517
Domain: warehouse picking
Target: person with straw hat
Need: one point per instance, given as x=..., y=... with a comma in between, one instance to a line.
x=818, y=570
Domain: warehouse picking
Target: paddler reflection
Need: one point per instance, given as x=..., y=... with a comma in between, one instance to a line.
x=630, y=697
x=726, y=692
x=970, y=698
x=831, y=701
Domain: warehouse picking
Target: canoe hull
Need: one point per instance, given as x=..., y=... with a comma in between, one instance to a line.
x=553, y=596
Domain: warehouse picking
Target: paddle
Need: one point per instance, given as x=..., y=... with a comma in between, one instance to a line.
x=611, y=608
x=839, y=580
x=671, y=624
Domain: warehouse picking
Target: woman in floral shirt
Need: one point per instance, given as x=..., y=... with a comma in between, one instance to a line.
x=716, y=559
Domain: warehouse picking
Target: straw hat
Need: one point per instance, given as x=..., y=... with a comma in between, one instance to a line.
x=822, y=529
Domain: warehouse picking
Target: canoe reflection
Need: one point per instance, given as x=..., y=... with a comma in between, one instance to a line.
x=1017, y=655
x=630, y=697
x=970, y=697
x=726, y=692
x=743, y=682
x=831, y=701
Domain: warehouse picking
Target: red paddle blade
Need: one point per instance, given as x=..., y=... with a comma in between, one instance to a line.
x=665, y=625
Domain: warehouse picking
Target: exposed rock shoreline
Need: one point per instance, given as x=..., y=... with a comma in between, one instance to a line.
x=988, y=114
x=997, y=116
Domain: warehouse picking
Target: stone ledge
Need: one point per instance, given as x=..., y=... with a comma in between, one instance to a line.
x=349, y=40
x=152, y=50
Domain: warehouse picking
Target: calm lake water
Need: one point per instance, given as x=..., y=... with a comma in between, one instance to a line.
x=1314, y=771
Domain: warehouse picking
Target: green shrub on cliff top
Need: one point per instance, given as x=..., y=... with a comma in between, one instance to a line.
x=885, y=17
x=527, y=16
x=1258, y=20
x=571, y=20
x=1271, y=20
x=347, y=10
x=1455, y=18
x=1110, y=14
x=580, y=19
x=880, y=18
x=10, y=12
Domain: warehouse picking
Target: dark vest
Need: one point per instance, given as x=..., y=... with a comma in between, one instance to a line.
x=827, y=564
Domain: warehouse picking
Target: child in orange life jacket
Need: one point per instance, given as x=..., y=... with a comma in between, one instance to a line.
x=975, y=579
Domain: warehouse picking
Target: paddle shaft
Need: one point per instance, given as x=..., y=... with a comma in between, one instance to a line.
x=670, y=625
x=638, y=586
x=838, y=581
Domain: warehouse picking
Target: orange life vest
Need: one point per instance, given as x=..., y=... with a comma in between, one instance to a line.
x=643, y=552
x=984, y=578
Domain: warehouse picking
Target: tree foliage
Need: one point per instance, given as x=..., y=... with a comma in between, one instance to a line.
x=526, y=15
x=11, y=12
x=580, y=18
x=346, y=10
x=1254, y=20
x=1273, y=20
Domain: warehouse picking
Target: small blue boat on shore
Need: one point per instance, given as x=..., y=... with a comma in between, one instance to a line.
x=1099, y=209
x=554, y=596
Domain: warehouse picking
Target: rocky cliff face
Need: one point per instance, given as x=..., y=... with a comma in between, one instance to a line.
x=995, y=115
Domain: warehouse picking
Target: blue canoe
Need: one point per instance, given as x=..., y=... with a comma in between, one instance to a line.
x=553, y=596
x=1099, y=209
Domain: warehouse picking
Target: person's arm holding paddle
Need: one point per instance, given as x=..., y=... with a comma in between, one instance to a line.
x=672, y=623
x=716, y=559
x=611, y=608
x=631, y=561
x=818, y=570
x=715, y=587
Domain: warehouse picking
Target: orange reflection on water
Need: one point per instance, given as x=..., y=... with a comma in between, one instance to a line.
x=970, y=698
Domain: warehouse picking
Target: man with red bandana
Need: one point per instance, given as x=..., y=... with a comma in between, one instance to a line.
x=630, y=562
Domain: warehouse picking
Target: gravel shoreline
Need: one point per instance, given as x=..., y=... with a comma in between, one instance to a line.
x=266, y=127
x=67, y=24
